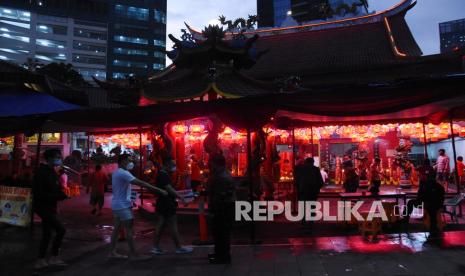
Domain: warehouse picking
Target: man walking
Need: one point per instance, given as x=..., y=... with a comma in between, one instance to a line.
x=222, y=196
x=47, y=192
x=166, y=210
x=122, y=206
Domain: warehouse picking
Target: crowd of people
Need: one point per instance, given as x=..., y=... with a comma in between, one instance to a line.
x=442, y=169
x=50, y=180
x=48, y=190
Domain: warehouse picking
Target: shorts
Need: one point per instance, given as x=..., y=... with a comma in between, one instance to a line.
x=123, y=214
x=97, y=199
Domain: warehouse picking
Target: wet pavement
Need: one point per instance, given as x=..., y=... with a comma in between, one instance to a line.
x=284, y=249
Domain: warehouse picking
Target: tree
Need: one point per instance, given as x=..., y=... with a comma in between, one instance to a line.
x=64, y=73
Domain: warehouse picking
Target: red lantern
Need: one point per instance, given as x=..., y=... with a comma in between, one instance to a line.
x=180, y=129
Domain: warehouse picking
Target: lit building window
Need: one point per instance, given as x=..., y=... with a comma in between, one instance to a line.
x=159, y=54
x=16, y=24
x=160, y=16
x=15, y=37
x=52, y=29
x=51, y=43
x=125, y=63
x=86, y=46
x=50, y=56
x=93, y=34
x=158, y=66
x=132, y=12
x=131, y=52
x=89, y=59
x=160, y=43
x=118, y=75
x=135, y=40
x=15, y=14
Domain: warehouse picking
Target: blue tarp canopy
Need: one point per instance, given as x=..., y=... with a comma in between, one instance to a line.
x=23, y=102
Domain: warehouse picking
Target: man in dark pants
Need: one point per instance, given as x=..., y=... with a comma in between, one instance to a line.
x=221, y=205
x=47, y=192
x=309, y=181
x=431, y=193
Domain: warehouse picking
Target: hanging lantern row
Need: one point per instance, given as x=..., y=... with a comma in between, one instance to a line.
x=198, y=132
x=361, y=133
x=130, y=140
x=433, y=132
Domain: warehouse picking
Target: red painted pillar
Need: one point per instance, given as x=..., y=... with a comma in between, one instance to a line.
x=181, y=160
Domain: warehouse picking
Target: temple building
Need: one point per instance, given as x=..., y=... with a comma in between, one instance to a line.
x=355, y=87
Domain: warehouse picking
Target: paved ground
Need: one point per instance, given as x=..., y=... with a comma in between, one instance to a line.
x=286, y=249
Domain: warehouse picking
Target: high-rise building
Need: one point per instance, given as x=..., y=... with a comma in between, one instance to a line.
x=136, y=37
x=101, y=38
x=272, y=13
x=452, y=35
x=309, y=10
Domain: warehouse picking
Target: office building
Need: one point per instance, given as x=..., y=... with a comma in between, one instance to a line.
x=274, y=13
x=136, y=37
x=452, y=35
x=101, y=38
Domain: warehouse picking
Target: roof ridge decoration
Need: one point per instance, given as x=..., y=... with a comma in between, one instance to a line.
x=377, y=17
x=213, y=48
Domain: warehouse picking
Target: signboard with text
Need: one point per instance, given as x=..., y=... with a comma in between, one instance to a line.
x=15, y=205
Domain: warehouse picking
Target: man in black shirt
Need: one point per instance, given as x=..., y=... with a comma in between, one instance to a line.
x=165, y=210
x=431, y=193
x=47, y=192
x=221, y=202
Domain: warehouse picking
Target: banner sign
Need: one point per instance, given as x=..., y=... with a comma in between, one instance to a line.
x=15, y=205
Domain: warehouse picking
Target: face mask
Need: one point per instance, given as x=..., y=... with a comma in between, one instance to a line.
x=57, y=162
x=173, y=168
x=130, y=166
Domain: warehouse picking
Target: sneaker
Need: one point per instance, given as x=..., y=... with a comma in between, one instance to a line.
x=40, y=264
x=54, y=260
x=157, y=251
x=184, y=250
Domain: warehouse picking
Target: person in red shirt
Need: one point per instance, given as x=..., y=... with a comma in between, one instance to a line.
x=460, y=170
x=97, y=182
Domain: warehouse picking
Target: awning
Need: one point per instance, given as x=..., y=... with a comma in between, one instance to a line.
x=23, y=102
x=430, y=100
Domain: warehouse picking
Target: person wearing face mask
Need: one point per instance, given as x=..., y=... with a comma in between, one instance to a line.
x=47, y=192
x=166, y=210
x=121, y=204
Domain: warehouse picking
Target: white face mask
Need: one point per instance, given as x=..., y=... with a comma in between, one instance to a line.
x=130, y=166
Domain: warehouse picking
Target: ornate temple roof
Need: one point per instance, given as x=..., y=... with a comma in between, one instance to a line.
x=349, y=45
x=370, y=49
